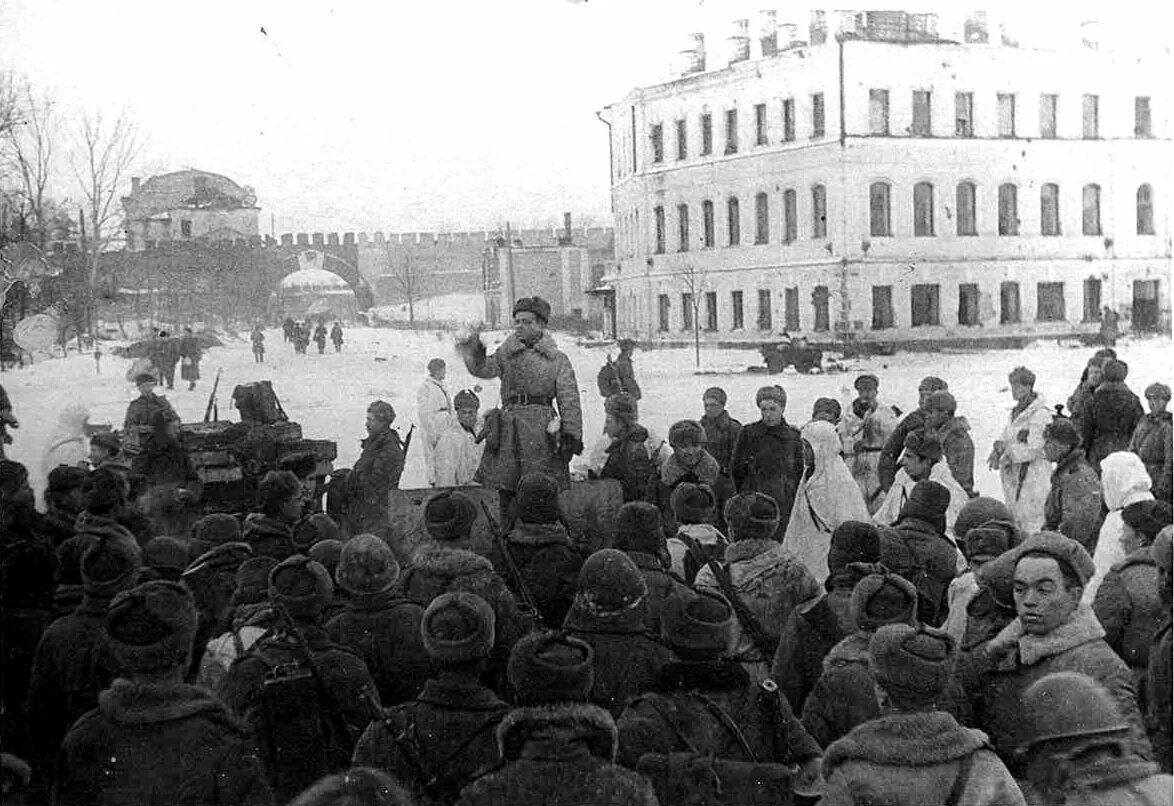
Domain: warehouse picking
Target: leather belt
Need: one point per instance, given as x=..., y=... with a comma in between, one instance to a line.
x=523, y=399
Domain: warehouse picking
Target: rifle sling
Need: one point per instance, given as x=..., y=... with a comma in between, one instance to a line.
x=749, y=623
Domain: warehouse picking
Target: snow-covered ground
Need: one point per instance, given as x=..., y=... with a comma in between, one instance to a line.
x=329, y=394
x=456, y=308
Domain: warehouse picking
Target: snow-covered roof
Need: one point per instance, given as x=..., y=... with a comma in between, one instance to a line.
x=313, y=278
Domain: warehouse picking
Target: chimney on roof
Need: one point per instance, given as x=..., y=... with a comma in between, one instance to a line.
x=693, y=57
x=740, y=41
x=134, y=184
x=768, y=32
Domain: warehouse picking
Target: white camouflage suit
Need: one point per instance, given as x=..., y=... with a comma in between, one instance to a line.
x=434, y=413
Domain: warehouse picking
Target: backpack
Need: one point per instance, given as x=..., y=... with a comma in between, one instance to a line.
x=292, y=728
x=258, y=403
x=609, y=379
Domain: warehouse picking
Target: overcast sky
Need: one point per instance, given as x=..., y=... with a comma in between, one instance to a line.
x=434, y=114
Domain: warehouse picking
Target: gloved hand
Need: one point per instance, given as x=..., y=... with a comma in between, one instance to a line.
x=472, y=348
x=569, y=445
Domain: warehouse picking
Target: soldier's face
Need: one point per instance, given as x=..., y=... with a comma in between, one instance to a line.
x=1157, y=403
x=772, y=412
x=146, y=388
x=917, y=467
x=713, y=408
x=98, y=454
x=1053, y=450
x=867, y=394
x=1042, y=601
x=467, y=417
x=936, y=417
x=527, y=326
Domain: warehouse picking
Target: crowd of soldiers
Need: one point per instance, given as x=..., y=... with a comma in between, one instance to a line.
x=299, y=334
x=828, y=613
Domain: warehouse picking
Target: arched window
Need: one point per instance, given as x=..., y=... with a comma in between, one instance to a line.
x=923, y=209
x=734, y=220
x=1091, y=204
x=1008, y=209
x=879, y=217
x=1145, y=210
x=964, y=209
x=819, y=211
x=1049, y=209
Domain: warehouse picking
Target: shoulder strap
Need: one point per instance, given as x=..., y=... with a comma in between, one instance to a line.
x=960, y=780
x=672, y=723
x=728, y=723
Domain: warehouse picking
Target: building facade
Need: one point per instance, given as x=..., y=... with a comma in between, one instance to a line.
x=895, y=188
x=188, y=205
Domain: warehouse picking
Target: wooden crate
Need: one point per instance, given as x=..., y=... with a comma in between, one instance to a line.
x=220, y=474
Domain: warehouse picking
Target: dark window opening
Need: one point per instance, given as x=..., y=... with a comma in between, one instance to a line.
x=711, y=310
x=682, y=227
x=663, y=310
x=790, y=216
x=1091, y=204
x=731, y=131
x=923, y=304
x=964, y=209
x=658, y=218
x=760, y=137
x=964, y=114
x=764, y=313
x=687, y=311
x=1145, y=210
x=682, y=140
x=882, y=307
x=922, y=125
x=968, y=304
x=658, y=143
x=789, y=119
x=1006, y=111
x=1142, y=123
x=1049, y=306
x=1047, y=116
x=737, y=318
x=1009, y=309
x=1092, y=300
x=817, y=121
x=819, y=212
x=1090, y=117
x=706, y=134
x=734, y=220
x=185, y=228
x=707, y=224
x=791, y=310
x=878, y=111
x=1049, y=209
x=1008, y=209
x=879, y=220
x=923, y=209
x=819, y=301
x=761, y=219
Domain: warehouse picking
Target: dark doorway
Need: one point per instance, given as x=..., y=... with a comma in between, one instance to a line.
x=1092, y=300
x=1145, y=305
x=923, y=303
x=819, y=299
x=882, y=307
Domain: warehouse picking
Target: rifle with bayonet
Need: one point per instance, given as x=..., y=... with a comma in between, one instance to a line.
x=213, y=410
x=500, y=540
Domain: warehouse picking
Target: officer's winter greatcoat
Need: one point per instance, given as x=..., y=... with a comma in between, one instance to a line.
x=769, y=459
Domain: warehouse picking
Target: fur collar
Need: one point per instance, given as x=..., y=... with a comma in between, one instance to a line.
x=380, y=602
x=1141, y=556
x=743, y=550
x=443, y=561
x=545, y=347
x=131, y=703
x=952, y=427
x=705, y=471
x=853, y=649
x=376, y=442
x=585, y=619
x=1082, y=628
x=449, y=690
x=1070, y=462
x=906, y=740
x=561, y=731
x=715, y=675
x=540, y=534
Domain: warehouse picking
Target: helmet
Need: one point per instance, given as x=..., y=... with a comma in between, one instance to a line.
x=1068, y=705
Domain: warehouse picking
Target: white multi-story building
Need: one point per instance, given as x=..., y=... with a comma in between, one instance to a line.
x=896, y=186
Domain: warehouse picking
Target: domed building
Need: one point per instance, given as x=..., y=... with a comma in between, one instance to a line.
x=312, y=292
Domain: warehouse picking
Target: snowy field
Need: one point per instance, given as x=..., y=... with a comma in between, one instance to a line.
x=329, y=394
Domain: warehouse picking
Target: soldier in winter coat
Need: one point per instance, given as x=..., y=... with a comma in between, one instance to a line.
x=1075, y=506
x=190, y=353
x=625, y=372
x=768, y=456
x=914, y=421
x=1159, y=715
x=458, y=452
x=639, y=535
x=922, y=460
x=142, y=410
x=336, y=337
x=953, y=434
x=28, y=567
x=447, y=735
x=554, y=747
x=767, y=577
x=721, y=430
x=320, y=337
x=153, y=738
x=270, y=531
x=257, y=337
x=689, y=463
x=912, y=753
x=1018, y=454
x=864, y=428
x=1113, y=415
x=378, y=626
x=527, y=434
x=608, y=614
x=434, y=411
x=1153, y=443
x=376, y=472
x=164, y=352
x=627, y=455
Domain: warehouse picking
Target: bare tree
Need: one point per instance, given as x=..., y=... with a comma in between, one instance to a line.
x=694, y=282
x=406, y=282
x=28, y=149
x=104, y=153
x=10, y=112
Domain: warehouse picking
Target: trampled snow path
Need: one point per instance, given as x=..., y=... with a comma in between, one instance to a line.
x=329, y=394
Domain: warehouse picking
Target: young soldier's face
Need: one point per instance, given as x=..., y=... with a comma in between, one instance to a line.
x=527, y=326
x=1042, y=601
x=467, y=417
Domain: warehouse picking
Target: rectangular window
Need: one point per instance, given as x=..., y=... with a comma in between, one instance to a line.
x=1049, y=210
x=923, y=209
x=968, y=304
x=1092, y=299
x=922, y=125
x=734, y=220
x=1145, y=210
x=760, y=125
x=964, y=114
x=663, y=310
x=964, y=209
x=658, y=218
x=737, y=317
x=882, y=307
x=731, y=131
x=706, y=134
x=682, y=140
x=923, y=305
x=1047, y=116
x=711, y=310
x=707, y=224
x=817, y=121
x=682, y=228
x=1090, y=117
x=761, y=219
x=1009, y=310
x=879, y=220
x=791, y=310
x=1142, y=127
x=764, y=312
x=1049, y=302
x=1091, y=199
x=819, y=212
x=819, y=301
x=657, y=142
x=1006, y=109
x=790, y=216
x=1008, y=209
x=687, y=311
x=789, y=119
x=878, y=111
x=185, y=228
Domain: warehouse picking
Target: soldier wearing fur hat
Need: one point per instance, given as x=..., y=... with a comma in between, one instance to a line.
x=152, y=737
x=458, y=450
x=142, y=410
x=639, y=535
x=1053, y=632
x=912, y=753
x=65, y=499
x=377, y=625
x=608, y=613
x=864, y=429
x=625, y=372
x=697, y=697
x=297, y=753
x=627, y=455
x=376, y=472
x=953, y=434
x=1113, y=415
x=446, y=736
x=1018, y=454
x=270, y=531
x=1076, y=747
x=1159, y=716
x=554, y=746
x=768, y=457
x=1075, y=506
x=922, y=460
x=529, y=433
x=689, y=462
x=721, y=430
x=1152, y=441
x=914, y=421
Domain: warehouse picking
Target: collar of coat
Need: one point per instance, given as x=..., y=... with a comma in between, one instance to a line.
x=130, y=703
x=444, y=561
x=1082, y=628
x=378, y=602
x=951, y=427
x=1070, y=462
x=540, y=534
x=906, y=740
x=650, y=562
x=744, y=550
x=705, y=471
x=558, y=732
x=1033, y=402
x=258, y=523
x=724, y=674
x=1141, y=556
x=448, y=690
x=722, y=422
x=545, y=346
x=784, y=430
x=377, y=441
x=853, y=649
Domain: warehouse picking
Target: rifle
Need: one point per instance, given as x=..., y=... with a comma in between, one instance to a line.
x=758, y=636
x=212, y=409
x=408, y=440
x=519, y=583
